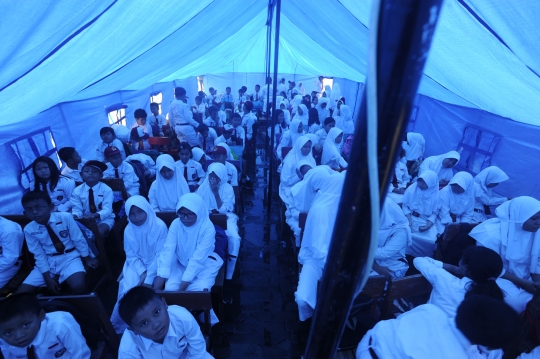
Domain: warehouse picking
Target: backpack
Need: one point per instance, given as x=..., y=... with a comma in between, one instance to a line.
x=222, y=243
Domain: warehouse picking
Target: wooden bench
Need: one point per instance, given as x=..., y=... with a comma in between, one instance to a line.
x=374, y=288
x=403, y=288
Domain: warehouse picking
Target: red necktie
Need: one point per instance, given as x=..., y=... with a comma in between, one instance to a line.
x=91, y=201
x=116, y=175
x=58, y=245
x=30, y=352
x=185, y=173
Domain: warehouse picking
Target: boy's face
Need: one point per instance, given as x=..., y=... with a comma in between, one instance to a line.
x=257, y=88
x=236, y=121
x=220, y=158
x=141, y=121
x=214, y=115
x=38, y=210
x=91, y=175
x=152, y=321
x=184, y=155
x=228, y=91
x=22, y=329
x=107, y=137
x=197, y=101
x=328, y=127
x=42, y=170
x=167, y=173
x=227, y=135
x=76, y=158
x=315, y=100
x=115, y=160
x=154, y=110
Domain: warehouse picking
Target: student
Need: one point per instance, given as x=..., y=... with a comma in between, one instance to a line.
x=280, y=128
x=26, y=331
x=226, y=137
x=256, y=95
x=347, y=124
x=319, y=84
x=118, y=168
x=213, y=99
x=199, y=156
x=484, y=182
x=421, y=206
x=321, y=134
x=327, y=92
x=426, y=332
x=187, y=261
x=109, y=139
x=157, y=121
x=306, y=100
x=335, y=97
x=286, y=113
x=331, y=155
x=442, y=165
x=168, y=187
x=479, y=268
x=289, y=137
x=47, y=178
x=282, y=86
x=218, y=196
x=457, y=201
x=158, y=331
x=181, y=118
x=144, y=238
x=267, y=93
x=400, y=181
x=140, y=130
x=314, y=100
x=239, y=134
x=248, y=119
x=206, y=137
x=513, y=234
x=313, y=121
x=315, y=243
x=322, y=108
x=227, y=99
x=414, y=149
x=302, y=115
x=146, y=161
x=213, y=119
x=394, y=237
x=222, y=153
x=292, y=91
x=93, y=199
x=188, y=168
x=240, y=100
x=199, y=109
x=11, y=241
x=73, y=162
x=57, y=243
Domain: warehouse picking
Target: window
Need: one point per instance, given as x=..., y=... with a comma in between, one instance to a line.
x=157, y=97
x=31, y=146
x=328, y=81
x=117, y=114
x=476, y=148
x=200, y=84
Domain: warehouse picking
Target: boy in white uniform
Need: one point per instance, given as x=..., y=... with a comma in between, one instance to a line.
x=191, y=170
x=27, y=332
x=11, y=241
x=213, y=119
x=221, y=154
x=118, y=168
x=140, y=130
x=181, y=118
x=206, y=136
x=57, y=243
x=156, y=120
x=156, y=330
x=109, y=139
x=73, y=163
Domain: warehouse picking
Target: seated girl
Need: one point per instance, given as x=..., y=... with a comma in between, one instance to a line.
x=347, y=124
x=289, y=137
x=400, y=181
x=331, y=155
x=144, y=238
x=314, y=124
x=218, y=196
x=168, y=187
x=302, y=115
x=280, y=128
x=200, y=156
x=47, y=178
x=513, y=234
x=421, y=207
x=456, y=201
x=414, y=149
x=442, y=165
x=484, y=182
x=322, y=108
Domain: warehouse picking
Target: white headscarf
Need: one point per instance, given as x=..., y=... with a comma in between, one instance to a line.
x=330, y=149
x=197, y=153
x=230, y=157
x=304, y=192
x=336, y=95
x=328, y=91
x=225, y=190
x=169, y=191
x=323, y=112
x=425, y=202
x=293, y=131
x=434, y=163
x=489, y=175
x=392, y=219
x=295, y=102
x=346, y=120
x=415, y=147
x=305, y=116
x=294, y=156
x=460, y=203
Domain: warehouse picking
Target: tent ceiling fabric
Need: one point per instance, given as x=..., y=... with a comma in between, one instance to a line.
x=66, y=51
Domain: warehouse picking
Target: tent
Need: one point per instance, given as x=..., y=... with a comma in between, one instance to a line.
x=64, y=63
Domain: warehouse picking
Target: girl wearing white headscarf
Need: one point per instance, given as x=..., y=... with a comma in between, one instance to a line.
x=168, y=187
x=442, y=165
x=414, y=146
x=331, y=155
x=347, y=124
x=218, y=196
x=399, y=183
x=144, y=238
x=283, y=106
x=322, y=108
x=483, y=184
x=327, y=92
x=394, y=237
x=514, y=235
x=187, y=261
x=457, y=201
x=289, y=137
x=199, y=155
x=302, y=115
x=335, y=96
x=421, y=207
x=295, y=102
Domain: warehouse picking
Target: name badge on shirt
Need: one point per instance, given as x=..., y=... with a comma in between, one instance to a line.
x=64, y=233
x=181, y=342
x=60, y=198
x=60, y=353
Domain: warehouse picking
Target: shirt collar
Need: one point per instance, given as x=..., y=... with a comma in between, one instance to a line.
x=148, y=342
x=41, y=333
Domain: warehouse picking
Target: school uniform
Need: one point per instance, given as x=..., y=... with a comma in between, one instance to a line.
x=47, y=256
x=147, y=161
x=331, y=155
x=222, y=139
x=192, y=171
x=158, y=120
x=256, y=96
x=483, y=195
x=73, y=174
x=103, y=200
x=102, y=146
x=239, y=101
x=434, y=163
x=227, y=100
x=210, y=122
x=289, y=137
x=207, y=144
x=282, y=87
x=402, y=178
x=125, y=172
x=164, y=194
x=58, y=337
x=11, y=241
x=321, y=136
x=267, y=91
x=142, y=131
x=456, y=208
x=248, y=120
x=182, y=121
x=239, y=134
x=183, y=340
x=61, y=193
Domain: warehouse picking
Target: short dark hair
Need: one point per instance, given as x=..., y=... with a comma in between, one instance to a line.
x=227, y=88
x=249, y=105
x=19, y=304
x=154, y=104
x=134, y=300
x=257, y=85
x=105, y=130
x=34, y=196
x=65, y=153
x=201, y=93
x=198, y=98
x=213, y=109
x=184, y=146
x=140, y=113
x=235, y=115
x=202, y=128
x=329, y=120
x=487, y=321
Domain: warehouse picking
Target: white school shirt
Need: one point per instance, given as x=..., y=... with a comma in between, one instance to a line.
x=212, y=136
x=73, y=174
x=195, y=171
x=240, y=133
x=181, y=119
x=321, y=135
x=222, y=139
x=40, y=243
x=183, y=340
x=58, y=337
x=199, y=108
x=102, y=146
x=11, y=241
x=249, y=120
x=210, y=122
x=158, y=120
x=256, y=96
x=61, y=194
x=147, y=161
x=103, y=199
x=232, y=173
x=127, y=174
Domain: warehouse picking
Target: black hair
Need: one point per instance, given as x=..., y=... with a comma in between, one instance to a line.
x=484, y=265
x=185, y=146
x=198, y=98
x=244, y=88
x=134, y=300
x=65, y=153
x=19, y=304
x=105, y=130
x=201, y=93
x=154, y=104
x=328, y=120
x=235, y=115
x=269, y=80
x=248, y=105
x=213, y=109
x=313, y=117
x=53, y=169
x=487, y=321
x=202, y=128
x=257, y=85
x=140, y=113
x=34, y=196
x=283, y=94
x=227, y=88
x=283, y=123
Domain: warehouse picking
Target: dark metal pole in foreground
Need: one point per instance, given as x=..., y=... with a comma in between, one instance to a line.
x=403, y=39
